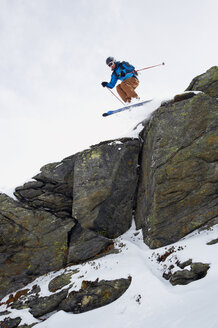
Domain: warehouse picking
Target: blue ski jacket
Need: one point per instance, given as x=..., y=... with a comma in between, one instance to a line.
x=116, y=75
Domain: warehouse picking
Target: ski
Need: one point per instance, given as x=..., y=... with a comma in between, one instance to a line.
x=111, y=112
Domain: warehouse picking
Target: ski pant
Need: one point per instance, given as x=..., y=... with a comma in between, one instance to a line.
x=126, y=89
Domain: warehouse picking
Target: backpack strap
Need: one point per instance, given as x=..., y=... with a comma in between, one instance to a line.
x=114, y=72
x=121, y=64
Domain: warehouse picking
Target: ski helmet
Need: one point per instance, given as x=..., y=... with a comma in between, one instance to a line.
x=110, y=60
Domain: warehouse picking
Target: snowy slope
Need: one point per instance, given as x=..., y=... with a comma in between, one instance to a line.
x=150, y=301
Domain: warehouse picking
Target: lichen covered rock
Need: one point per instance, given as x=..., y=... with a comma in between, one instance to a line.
x=95, y=294
x=178, y=181
x=85, y=244
x=60, y=281
x=32, y=242
x=105, y=180
x=184, y=277
x=52, y=190
x=207, y=82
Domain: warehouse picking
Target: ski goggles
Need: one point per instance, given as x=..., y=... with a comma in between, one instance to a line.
x=110, y=64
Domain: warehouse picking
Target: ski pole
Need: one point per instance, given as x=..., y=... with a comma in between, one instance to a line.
x=115, y=96
x=148, y=67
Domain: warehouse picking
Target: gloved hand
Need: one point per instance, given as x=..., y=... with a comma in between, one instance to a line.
x=122, y=73
x=104, y=84
x=136, y=73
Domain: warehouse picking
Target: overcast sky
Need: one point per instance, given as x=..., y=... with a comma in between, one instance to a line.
x=52, y=63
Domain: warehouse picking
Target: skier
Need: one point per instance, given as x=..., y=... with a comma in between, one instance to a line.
x=126, y=73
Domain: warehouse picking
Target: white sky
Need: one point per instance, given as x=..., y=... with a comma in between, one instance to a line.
x=52, y=61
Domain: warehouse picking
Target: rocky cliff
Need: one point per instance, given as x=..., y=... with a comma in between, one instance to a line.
x=166, y=180
x=178, y=178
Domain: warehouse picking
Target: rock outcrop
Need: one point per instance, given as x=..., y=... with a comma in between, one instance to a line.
x=184, y=277
x=32, y=242
x=52, y=190
x=105, y=182
x=43, y=305
x=94, y=294
x=60, y=281
x=207, y=82
x=178, y=178
x=96, y=186
x=10, y=323
x=38, y=234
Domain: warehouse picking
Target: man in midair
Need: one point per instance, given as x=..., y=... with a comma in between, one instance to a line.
x=126, y=73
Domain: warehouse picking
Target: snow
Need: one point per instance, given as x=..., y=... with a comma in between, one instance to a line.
x=150, y=301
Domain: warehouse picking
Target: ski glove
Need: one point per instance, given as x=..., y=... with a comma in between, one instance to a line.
x=104, y=84
x=122, y=73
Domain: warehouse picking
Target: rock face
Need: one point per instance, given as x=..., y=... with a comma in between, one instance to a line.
x=38, y=234
x=178, y=181
x=105, y=181
x=207, y=82
x=96, y=186
x=85, y=244
x=31, y=243
x=52, y=190
x=34, y=242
